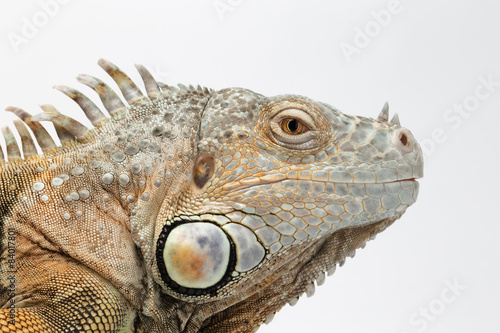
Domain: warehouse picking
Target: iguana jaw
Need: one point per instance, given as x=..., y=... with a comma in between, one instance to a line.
x=326, y=256
x=293, y=278
x=290, y=276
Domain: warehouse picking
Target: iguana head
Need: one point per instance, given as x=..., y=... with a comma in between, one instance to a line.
x=285, y=189
x=230, y=204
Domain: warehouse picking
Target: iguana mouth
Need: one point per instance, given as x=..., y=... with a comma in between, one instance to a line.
x=266, y=180
x=399, y=181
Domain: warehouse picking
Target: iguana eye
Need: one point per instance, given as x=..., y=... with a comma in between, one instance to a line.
x=293, y=126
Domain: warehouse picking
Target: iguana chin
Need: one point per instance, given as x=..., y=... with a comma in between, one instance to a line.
x=189, y=210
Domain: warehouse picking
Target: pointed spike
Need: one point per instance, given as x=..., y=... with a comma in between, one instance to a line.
x=68, y=123
x=384, y=114
x=29, y=148
x=149, y=82
x=395, y=120
x=109, y=98
x=63, y=135
x=269, y=318
x=320, y=279
x=130, y=91
x=43, y=137
x=13, y=151
x=23, y=115
x=163, y=86
x=310, y=290
x=89, y=108
x=342, y=261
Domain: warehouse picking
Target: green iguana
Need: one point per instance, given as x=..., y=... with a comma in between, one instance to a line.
x=189, y=209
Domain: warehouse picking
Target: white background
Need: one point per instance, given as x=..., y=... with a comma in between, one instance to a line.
x=427, y=58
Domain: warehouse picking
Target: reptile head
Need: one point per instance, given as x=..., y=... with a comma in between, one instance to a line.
x=230, y=204
x=286, y=188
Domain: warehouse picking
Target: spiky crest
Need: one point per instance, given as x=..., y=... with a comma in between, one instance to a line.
x=71, y=132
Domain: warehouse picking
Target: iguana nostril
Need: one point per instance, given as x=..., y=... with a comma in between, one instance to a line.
x=404, y=139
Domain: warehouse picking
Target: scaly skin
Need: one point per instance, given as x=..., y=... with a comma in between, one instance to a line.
x=189, y=210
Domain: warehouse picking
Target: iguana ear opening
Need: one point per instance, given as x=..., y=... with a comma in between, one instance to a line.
x=204, y=168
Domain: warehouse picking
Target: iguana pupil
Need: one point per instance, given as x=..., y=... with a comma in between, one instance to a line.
x=293, y=125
